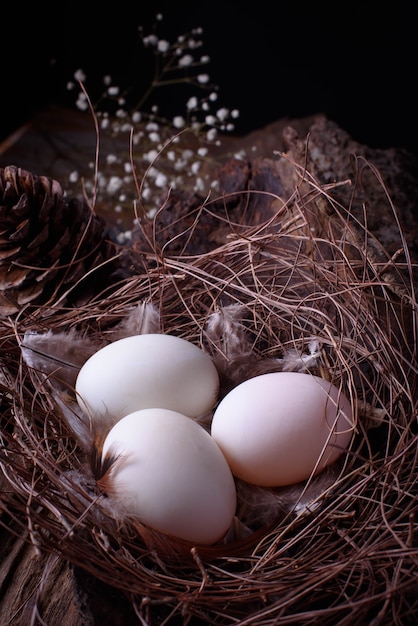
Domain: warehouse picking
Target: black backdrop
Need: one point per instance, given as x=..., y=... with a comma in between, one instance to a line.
x=355, y=62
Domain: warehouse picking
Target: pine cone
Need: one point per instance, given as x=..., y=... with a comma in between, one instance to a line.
x=47, y=244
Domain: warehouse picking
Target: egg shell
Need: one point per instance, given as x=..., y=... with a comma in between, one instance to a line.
x=280, y=428
x=171, y=475
x=147, y=371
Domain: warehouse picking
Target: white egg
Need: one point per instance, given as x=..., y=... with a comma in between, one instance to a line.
x=280, y=428
x=171, y=475
x=147, y=371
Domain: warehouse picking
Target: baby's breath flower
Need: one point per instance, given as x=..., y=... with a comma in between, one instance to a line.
x=180, y=164
x=150, y=156
x=154, y=137
x=123, y=238
x=151, y=212
x=179, y=121
x=114, y=184
x=81, y=102
x=161, y=180
x=211, y=134
x=199, y=185
x=161, y=157
x=240, y=156
x=150, y=40
x=186, y=60
x=194, y=43
x=146, y=192
x=222, y=114
x=79, y=75
x=163, y=45
x=192, y=103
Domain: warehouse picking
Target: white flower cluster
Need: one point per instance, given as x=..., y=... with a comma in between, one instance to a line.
x=165, y=153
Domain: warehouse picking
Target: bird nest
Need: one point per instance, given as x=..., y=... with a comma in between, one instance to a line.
x=263, y=280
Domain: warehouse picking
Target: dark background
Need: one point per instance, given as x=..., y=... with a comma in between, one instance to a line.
x=355, y=62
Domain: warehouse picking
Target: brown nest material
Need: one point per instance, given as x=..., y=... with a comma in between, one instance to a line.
x=284, y=278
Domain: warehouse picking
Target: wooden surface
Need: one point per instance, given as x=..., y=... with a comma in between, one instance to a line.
x=59, y=140
x=52, y=143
